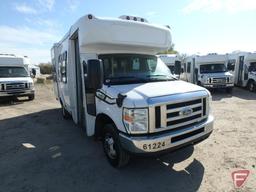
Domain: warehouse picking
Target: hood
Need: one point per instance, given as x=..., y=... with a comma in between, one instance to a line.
x=16, y=79
x=138, y=94
x=223, y=74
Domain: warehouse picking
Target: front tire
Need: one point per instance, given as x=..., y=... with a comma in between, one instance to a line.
x=65, y=113
x=113, y=150
x=229, y=89
x=251, y=86
x=31, y=97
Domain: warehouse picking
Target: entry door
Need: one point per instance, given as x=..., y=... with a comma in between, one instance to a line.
x=240, y=70
x=79, y=86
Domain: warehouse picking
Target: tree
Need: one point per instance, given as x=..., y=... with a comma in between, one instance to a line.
x=170, y=50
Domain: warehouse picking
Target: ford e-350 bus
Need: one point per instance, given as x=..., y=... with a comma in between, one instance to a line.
x=108, y=79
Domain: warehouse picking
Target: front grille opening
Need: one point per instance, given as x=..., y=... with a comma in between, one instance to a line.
x=204, y=106
x=187, y=135
x=158, y=117
x=183, y=104
x=183, y=120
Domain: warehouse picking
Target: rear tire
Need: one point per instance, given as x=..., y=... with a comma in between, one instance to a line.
x=251, y=86
x=31, y=97
x=113, y=150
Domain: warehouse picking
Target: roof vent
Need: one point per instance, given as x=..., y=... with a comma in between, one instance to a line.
x=127, y=17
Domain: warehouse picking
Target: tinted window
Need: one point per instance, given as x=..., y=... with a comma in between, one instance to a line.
x=13, y=72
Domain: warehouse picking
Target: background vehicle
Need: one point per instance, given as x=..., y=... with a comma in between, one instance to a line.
x=243, y=66
x=116, y=89
x=171, y=60
x=14, y=77
x=208, y=71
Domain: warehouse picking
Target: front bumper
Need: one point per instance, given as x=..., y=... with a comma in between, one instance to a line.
x=227, y=85
x=136, y=144
x=23, y=92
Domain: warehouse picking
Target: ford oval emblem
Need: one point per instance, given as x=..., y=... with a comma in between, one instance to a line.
x=185, y=111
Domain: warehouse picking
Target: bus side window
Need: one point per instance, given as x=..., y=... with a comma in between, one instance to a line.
x=63, y=68
x=231, y=65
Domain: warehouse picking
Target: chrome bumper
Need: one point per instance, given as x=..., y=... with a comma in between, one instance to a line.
x=135, y=144
x=23, y=92
x=218, y=85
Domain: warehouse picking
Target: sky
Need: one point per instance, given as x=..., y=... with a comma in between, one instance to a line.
x=30, y=27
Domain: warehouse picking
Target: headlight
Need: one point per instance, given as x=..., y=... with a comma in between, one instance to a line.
x=231, y=79
x=136, y=120
x=210, y=104
x=31, y=85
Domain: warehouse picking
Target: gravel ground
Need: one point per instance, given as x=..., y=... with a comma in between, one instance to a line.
x=39, y=151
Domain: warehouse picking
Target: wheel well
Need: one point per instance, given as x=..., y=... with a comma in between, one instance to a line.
x=101, y=120
x=249, y=81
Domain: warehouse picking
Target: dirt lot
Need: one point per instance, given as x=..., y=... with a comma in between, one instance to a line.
x=39, y=151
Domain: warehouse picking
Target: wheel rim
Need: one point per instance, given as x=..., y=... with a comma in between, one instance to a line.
x=109, y=145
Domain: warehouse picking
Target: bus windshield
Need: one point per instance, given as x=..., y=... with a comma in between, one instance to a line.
x=134, y=68
x=13, y=72
x=213, y=68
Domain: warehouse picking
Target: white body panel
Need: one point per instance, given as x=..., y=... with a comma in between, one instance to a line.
x=169, y=60
x=89, y=38
x=193, y=74
x=238, y=65
x=15, y=86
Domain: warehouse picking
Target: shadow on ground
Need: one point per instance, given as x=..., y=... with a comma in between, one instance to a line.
x=241, y=93
x=43, y=152
x=7, y=101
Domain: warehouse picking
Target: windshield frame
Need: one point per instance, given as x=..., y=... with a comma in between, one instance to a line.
x=16, y=75
x=212, y=71
x=135, y=78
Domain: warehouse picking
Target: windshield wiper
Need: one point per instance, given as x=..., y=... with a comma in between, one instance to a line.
x=124, y=78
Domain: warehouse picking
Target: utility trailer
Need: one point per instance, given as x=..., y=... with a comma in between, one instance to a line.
x=14, y=77
x=209, y=71
x=243, y=66
x=108, y=79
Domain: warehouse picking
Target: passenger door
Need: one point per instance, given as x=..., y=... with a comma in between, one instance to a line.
x=240, y=70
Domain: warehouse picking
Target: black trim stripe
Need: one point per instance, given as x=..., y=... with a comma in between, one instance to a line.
x=183, y=104
x=204, y=106
x=157, y=117
x=187, y=135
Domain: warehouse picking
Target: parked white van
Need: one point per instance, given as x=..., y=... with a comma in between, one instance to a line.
x=14, y=77
x=209, y=71
x=109, y=80
x=243, y=66
x=171, y=60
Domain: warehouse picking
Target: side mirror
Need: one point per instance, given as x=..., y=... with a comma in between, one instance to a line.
x=94, y=78
x=177, y=67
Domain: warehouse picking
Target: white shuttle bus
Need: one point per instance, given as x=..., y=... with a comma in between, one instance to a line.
x=171, y=60
x=108, y=79
x=14, y=77
x=243, y=66
x=209, y=71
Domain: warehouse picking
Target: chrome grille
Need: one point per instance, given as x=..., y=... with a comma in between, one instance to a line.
x=16, y=86
x=220, y=80
x=181, y=114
